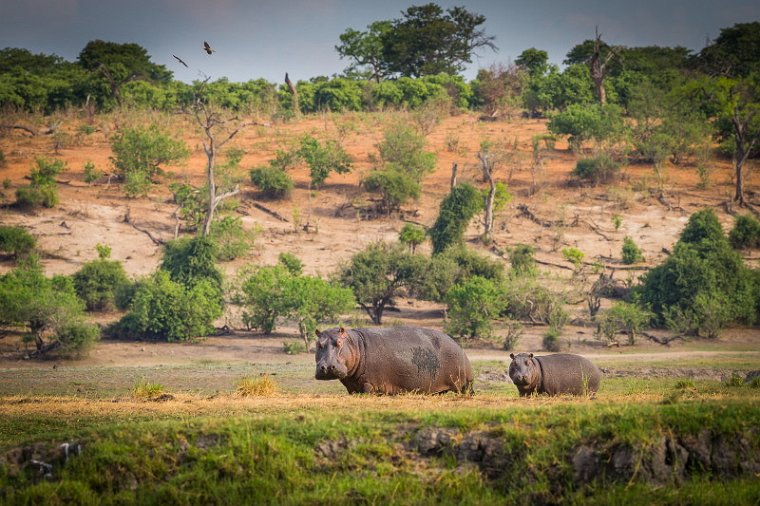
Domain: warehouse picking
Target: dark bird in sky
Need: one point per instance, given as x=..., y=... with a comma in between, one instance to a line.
x=180, y=60
x=207, y=48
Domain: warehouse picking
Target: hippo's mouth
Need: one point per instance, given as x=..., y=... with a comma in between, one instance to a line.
x=327, y=375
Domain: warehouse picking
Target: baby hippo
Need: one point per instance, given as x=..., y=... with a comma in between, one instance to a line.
x=562, y=373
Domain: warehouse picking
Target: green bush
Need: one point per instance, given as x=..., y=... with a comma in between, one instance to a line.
x=16, y=242
x=262, y=297
x=380, y=273
x=550, y=341
x=404, y=148
x=412, y=236
x=323, y=159
x=471, y=307
x=523, y=260
x=395, y=187
x=230, y=239
x=525, y=299
x=139, y=153
x=455, y=266
x=597, y=170
x=702, y=273
x=91, y=174
x=623, y=317
x=291, y=262
x=42, y=192
x=168, y=310
x=273, y=182
x=456, y=211
x=97, y=283
x=746, y=232
x=189, y=261
x=48, y=307
x=631, y=252
x=582, y=122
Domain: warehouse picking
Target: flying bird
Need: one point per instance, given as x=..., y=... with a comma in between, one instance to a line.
x=180, y=60
x=207, y=48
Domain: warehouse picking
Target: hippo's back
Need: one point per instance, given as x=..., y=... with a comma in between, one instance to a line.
x=398, y=359
x=565, y=373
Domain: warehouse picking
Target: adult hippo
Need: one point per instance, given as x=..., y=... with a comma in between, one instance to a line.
x=562, y=373
x=393, y=360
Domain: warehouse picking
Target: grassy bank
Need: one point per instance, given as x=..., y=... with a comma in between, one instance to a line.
x=409, y=449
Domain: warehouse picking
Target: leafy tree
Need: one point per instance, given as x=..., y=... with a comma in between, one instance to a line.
x=497, y=89
x=263, y=296
x=454, y=266
x=230, y=239
x=16, y=242
x=138, y=154
x=623, y=317
x=169, y=310
x=366, y=50
x=98, y=281
x=412, y=236
x=405, y=147
x=535, y=61
x=378, y=274
x=395, y=186
x=702, y=272
x=583, y=122
x=48, y=307
x=314, y=301
x=457, y=209
x=471, y=307
x=120, y=63
x=598, y=169
x=323, y=159
x=733, y=53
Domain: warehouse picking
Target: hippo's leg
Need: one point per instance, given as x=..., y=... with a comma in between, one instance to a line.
x=367, y=388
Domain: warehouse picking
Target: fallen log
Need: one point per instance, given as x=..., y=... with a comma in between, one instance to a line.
x=270, y=212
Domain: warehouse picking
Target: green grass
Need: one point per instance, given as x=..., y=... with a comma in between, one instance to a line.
x=274, y=454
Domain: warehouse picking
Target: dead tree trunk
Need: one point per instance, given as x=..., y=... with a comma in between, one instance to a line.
x=743, y=149
x=598, y=67
x=487, y=164
x=294, y=94
x=454, y=169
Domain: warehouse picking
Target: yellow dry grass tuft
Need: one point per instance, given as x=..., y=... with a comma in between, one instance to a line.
x=263, y=386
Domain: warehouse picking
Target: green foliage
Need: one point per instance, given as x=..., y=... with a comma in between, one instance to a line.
x=403, y=148
x=380, y=273
x=597, y=170
x=91, y=174
x=294, y=348
x=617, y=221
x=425, y=41
x=574, y=256
x=192, y=202
x=471, y=307
x=746, y=232
x=550, y=341
x=273, y=182
x=42, y=192
x=455, y=266
x=412, y=236
x=48, y=307
x=230, y=239
x=2, y=159
x=138, y=154
x=274, y=293
x=631, y=252
x=291, y=262
x=190, y=261
x=734, y=52
x=523, y=260
x=168, y=310
x=630, y=319
x=526, y=299
x=703, y=284
x=396, y=187
x=457, y=209
x=16, y=242
x=98, y=281
x=323, y=159
x=586, y=122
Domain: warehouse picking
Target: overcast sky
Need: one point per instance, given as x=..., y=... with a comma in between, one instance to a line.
x=266, y=38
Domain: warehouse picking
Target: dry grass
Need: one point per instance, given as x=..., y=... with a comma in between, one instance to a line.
x=263, y=386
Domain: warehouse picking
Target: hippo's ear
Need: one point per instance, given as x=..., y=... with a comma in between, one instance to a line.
x=512, y=356
x=341, y=330
x=318, y=333
x=531, y=355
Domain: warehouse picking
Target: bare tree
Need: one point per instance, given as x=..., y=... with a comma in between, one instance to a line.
x=597, y=65
x=488, y=160
x=294, y=94
x=213, y=123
